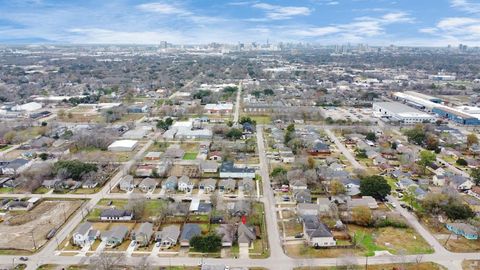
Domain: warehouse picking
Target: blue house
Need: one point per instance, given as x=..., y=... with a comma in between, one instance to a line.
x=170, y=184
x=466, y=230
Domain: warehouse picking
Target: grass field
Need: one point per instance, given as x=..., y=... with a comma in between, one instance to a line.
x=190, y=156
x=152, y=207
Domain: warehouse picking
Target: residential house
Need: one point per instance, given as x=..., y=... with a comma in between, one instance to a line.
x=319, y=148
x=404, y=183
x=153, y=156
x=115, y=236
x=324, y=205
x=42, y=142
x=241, y=208
x=168, y=237
x=227, y=233
x=208, y=185
x=84, y=234
x=145, y=170
x=89, y=184
x=148, y=184
x=466, y=230
x=245, y=235
x=127, y=183
x=367, y=201
x=228, y=170
x=50, y=183
x=352, y=185
x=143, y=234
x=475, y=192
x=174, y=152
x=419, y=193
x=116, y=214
x=188, y=232
x=14, y=166
x=170, y=184
x=460, y=182
x=204, y=208
x=309, y=209
x=298, y=184
x=209, y=166
x=227, y=185
x=316, y=233
x=247, y=185
x=185, y=184
x=302, y=196
x=215, y=156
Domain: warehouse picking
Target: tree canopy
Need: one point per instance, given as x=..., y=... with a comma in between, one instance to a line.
x=375, y=186
x=74, y=169
x=208, y=243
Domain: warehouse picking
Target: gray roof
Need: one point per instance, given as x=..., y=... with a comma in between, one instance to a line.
x=145, y=228
x=189, y=231
x=171, y=232
x=115, y=213
x=245, y=234
x=83, y=228
x=148, y=182
x=315, y=228
x=208, y=182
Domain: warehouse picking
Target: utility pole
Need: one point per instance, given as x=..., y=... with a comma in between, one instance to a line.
x=366, y=262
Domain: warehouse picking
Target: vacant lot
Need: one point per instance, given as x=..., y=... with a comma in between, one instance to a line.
x=17, y=230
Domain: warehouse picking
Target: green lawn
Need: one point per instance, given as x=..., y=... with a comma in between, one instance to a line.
x=261, y=119
x=41, y=190
x=190, y=156
x=365, y=240
x=6, y=190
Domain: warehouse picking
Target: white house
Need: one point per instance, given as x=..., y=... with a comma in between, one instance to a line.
x=123, y=146
x=185, y=184
x=316, y=233
x=85, y=234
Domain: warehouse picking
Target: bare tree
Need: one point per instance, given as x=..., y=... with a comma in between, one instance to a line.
x=136, y=204
x=107, y=261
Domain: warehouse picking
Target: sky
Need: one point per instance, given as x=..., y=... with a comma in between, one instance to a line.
x=374, y=22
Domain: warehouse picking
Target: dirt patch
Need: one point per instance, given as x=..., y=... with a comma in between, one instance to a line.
x=19, y=228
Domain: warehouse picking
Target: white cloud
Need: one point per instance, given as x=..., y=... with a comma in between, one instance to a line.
x=317, y=31
x=360, y=28
x=466, y=6
x=163, y=8
x=275, y=12
x=456, y=30
x=396, y=17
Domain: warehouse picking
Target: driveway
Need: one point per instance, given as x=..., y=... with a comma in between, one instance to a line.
x=243, y=252
x=131, y=248
x=155, y=250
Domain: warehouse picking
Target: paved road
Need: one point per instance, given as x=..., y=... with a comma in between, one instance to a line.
x=274, y=242
x=277, y=260
x=344, y=150
x=51, y=246
x=237, y=104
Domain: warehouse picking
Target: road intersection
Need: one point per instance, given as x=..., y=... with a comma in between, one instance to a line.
x=277, y=259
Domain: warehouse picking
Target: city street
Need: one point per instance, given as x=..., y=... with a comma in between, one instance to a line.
x=277, y=259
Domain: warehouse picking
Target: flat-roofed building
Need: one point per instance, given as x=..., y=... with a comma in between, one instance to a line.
x=395, y=111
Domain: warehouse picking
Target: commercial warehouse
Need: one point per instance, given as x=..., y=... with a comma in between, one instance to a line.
x=456, y=115
x=395, y=111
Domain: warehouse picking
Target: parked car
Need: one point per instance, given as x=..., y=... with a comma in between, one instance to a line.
x=24, y=259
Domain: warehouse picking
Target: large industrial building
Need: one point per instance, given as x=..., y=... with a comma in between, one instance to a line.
x=464, y=115
x=395, y=111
